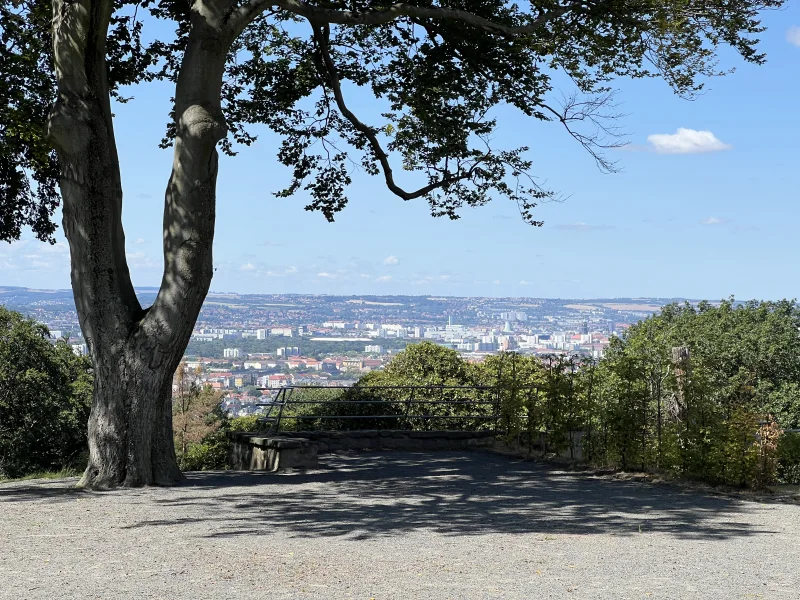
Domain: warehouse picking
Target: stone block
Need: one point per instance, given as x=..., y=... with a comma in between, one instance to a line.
x=259, y=453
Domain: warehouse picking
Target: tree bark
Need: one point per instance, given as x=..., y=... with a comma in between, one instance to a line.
x=135, y=352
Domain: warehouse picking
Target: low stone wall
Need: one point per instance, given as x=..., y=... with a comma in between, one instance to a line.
x=573, y=450
x=334, y=441
x=257, y=451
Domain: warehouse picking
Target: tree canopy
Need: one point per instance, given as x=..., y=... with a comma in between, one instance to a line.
x=438, y=68
x=744, y=355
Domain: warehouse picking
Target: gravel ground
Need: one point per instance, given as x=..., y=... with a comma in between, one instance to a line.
x=395, y=525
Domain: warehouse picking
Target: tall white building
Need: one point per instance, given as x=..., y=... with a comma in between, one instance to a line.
x=231, y=352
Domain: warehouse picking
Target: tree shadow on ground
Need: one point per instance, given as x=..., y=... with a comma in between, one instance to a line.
x=453, y=494
x=370, y=495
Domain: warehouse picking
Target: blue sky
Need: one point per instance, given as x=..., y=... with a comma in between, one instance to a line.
x=675, y=222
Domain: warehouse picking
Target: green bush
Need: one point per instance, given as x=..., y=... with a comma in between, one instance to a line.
x=213, y=451
x=356, y=405
x=211, y=454
x=45, y=399
x=789, y=459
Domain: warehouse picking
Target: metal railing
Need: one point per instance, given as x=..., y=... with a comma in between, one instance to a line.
x=465, y=408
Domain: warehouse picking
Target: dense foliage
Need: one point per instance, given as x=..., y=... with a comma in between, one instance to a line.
x=714, y=413
x=45, y=397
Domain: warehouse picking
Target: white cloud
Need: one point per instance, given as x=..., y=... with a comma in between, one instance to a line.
x=139, y=241
x=384, y=278
x=290, y=270
x=715, y=221
x=523, y=282
x=391, y=260
x=686, y=141
x=247, y=267
x=793, y=35
x=326, y=275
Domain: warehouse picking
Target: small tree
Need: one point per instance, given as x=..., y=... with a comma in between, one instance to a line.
x=196, y=412
x=438, y=69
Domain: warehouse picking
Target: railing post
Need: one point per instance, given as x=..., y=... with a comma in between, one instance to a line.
x=281, y=392
x=408, y=407
x=496, y=412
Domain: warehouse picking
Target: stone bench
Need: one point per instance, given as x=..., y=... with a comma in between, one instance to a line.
x=255, y=452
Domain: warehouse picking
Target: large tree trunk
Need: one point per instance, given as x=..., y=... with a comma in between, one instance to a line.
x=135, y=351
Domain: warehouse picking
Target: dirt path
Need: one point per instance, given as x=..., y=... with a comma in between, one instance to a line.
x=395, y=525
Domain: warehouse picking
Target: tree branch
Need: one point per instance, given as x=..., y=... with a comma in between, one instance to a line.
x=246, y=13
x=321, y=36
x=591, y=110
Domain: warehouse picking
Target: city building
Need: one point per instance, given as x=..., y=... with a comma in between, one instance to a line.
x=288, y=351
x=278, y=381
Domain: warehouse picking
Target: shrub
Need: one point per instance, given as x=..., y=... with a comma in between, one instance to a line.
x=45, y=399
x=212, y=452
x=788, y=471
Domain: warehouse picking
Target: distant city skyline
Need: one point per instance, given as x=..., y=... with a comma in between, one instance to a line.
x=705, y=206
